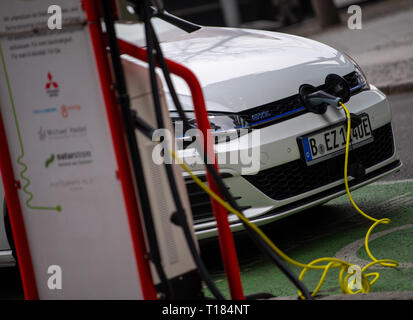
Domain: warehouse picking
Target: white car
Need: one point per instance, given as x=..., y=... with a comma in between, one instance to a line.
x=251, y=79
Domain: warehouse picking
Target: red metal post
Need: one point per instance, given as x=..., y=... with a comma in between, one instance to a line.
x=226, y=240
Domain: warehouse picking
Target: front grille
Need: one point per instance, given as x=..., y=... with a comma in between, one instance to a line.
x=294, y=178
x=273, y=112
x=200, y=200
x=290, y=107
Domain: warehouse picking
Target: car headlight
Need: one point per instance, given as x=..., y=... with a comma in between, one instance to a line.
x=363, y=84
x=226, y=126
x=362, y=78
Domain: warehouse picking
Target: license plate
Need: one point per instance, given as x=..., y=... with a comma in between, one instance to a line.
x=331, y=142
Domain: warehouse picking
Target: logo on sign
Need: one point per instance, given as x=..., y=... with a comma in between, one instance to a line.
x=42, y=134
x=65, y=110
x=69, y=158
x=52, y=87
x=49, y=161
x=61, y=133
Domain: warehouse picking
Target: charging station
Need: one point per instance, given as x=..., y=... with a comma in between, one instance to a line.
x=177, y=261
x=83, y=227
x=61, y=174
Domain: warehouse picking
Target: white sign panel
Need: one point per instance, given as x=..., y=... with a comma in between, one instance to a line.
x=62, y=156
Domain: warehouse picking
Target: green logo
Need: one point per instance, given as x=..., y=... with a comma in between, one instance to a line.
x=49, y=161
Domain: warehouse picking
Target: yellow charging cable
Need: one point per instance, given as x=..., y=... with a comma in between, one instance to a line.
x=316, y=264
x=376, y=221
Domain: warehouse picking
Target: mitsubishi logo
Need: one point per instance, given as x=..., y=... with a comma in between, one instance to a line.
x=52, y=87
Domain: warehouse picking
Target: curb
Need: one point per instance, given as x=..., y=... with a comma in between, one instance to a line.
x=398, y=87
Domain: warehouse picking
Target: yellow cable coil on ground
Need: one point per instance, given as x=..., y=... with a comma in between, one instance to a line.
x=326, y=263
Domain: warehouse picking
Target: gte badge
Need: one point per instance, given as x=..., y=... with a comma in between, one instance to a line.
x=261, y=115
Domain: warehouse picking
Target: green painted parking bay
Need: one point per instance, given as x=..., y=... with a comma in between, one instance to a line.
x=334, y=229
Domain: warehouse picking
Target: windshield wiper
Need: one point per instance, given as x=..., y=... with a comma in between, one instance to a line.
x=174, y=20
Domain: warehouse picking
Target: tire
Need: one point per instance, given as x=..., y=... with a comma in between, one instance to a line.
x=9, y=232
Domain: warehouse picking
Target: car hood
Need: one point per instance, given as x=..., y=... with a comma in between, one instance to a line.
x=240, y=69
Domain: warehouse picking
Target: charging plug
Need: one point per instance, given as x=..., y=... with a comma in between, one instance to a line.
x=317, y=101
x=320, y=97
